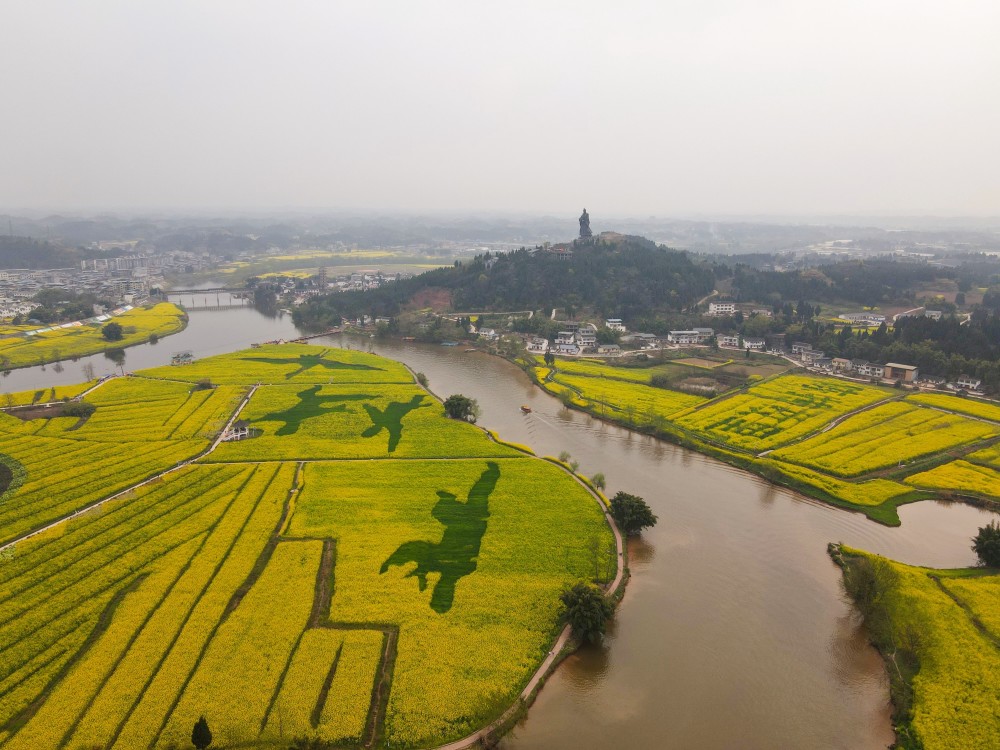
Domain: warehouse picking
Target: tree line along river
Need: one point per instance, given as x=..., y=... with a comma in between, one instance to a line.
x=733, y=631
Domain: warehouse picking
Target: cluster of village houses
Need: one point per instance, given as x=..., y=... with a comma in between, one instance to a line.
x=577, y=339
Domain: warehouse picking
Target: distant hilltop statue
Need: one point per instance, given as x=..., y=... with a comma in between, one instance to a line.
x=585, y=225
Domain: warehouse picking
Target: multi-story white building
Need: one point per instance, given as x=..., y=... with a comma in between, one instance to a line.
x=615, y=324
x=721, y=308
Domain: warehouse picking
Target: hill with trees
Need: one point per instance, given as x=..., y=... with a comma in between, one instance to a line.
x=25, y=252
x=611, y=275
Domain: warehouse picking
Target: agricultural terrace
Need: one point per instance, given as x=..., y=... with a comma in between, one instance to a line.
x=989, y=456
x=886, y=436
x=828, y=438
x=386, y=602
x=635, y=401
x=598, y=369
x=138, y=428
x=966, y=406
x=21, y=350
x=778, y=411
x=960, y=476
x=44, y=395
x=873, y=492
x=951, y=620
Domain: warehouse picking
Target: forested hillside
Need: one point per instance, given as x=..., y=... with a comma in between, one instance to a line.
x=614, y=275
x=25, y=252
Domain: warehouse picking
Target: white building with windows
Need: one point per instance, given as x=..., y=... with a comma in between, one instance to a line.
x=721, y=308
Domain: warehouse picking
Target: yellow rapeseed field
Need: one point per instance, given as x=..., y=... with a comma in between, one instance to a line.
x=637, y=402
x=266, y=595
x=960, y=476
x=956, y=703
x=886, y=436
x=872, y=492
x=972, y=407
x=21, y=350
x=778, y=411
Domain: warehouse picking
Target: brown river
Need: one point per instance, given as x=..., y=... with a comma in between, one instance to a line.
x=733, y=632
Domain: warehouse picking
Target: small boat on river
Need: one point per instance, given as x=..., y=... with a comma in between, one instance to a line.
x=526, y=409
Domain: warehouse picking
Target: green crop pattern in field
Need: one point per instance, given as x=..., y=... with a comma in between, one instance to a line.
x=885, y=436
x=289, y=363
x=353, y=421
x=22, y=350
x=778, y=411
x=495, y=631
x=356, y=602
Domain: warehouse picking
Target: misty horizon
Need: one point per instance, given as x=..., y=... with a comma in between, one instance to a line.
x=713, y=112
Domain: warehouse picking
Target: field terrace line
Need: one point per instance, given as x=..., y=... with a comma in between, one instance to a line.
x=99, y=503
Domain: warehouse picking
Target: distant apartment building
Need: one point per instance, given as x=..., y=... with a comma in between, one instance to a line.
x=615, y=324
x=730, y=341
x=721, y=308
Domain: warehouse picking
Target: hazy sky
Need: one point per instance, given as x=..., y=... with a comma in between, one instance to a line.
x=666, y=108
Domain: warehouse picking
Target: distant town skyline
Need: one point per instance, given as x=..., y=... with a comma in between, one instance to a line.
x=667, y=109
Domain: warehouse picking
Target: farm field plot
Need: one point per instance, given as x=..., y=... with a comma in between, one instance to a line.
x=708, y=364
x=981, y=594
x=989, y=456
x=44, y=395
x=962, y=405
x=960, y=476
x=778, y=411
x=22, y=350
x=360, y=421
x=288, y=363
x=470, y=637
x=432, y=583
x=956, y=703
x=642, y=401
x=148, y=582
x=872, y=492
x=885, y=436
x=55, y=476
x=138, y=408
x=595, y=368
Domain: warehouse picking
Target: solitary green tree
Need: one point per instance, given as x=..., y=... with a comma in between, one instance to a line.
x=587, y=611
x=201, y=735
x=631, y=513
x=462, y=407
x=598, y=480
x=112, y=332
x=986, y=544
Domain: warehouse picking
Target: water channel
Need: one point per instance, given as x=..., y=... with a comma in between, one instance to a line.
x=733, y=632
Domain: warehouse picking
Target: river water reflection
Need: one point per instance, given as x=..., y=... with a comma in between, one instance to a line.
x=733, y=632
